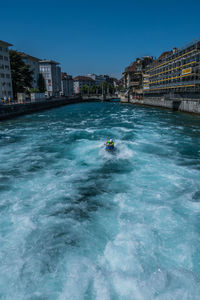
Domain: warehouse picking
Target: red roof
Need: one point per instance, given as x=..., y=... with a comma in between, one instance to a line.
x=82, y=78
x=164, y=54
x=131, y=68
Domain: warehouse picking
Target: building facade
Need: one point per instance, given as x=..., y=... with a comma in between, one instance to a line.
x=52, y=75
x=5, y=72
x=33, y=63
x=67, y=85
x=80, y=81
x=134, y=74
x=97, y=78
x=175, y=72
x=58, y=87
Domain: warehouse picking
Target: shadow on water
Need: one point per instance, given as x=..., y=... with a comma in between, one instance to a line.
x=196, y=197
x=89, y=191
x=68, y=224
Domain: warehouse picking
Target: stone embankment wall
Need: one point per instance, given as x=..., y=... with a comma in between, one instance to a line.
x=13, y=110
x=186, y=105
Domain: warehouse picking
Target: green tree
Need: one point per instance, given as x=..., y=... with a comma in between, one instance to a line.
x=99, y=89
x=93, y=89
x=85, y=89
x=111, y=88
x=104, y=86
x=33, y=90
x=21, y=74
x=41, y=83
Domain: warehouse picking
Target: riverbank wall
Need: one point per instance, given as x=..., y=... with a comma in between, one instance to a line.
x=8, y=111
x=184, y=105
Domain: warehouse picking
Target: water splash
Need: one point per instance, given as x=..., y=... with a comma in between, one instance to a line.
x=80, y=223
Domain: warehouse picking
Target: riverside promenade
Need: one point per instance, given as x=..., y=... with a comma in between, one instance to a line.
x=12, y=110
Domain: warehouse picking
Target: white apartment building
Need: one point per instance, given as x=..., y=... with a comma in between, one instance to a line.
x=52, y=75
x=33, y=63
x=67, y=85
x=80, y=81
x=5, y=71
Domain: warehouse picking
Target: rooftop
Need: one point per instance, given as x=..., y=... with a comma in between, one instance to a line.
x=49, y=61
x=83, y=78
x=5, y=44
x=65, y=76
x=131, y=68
x=24, y=55
x=164, y=54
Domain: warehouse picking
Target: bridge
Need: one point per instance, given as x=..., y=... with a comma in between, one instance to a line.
x=103, y=98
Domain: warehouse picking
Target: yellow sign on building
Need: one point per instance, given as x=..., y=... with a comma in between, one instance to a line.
x=186, y=71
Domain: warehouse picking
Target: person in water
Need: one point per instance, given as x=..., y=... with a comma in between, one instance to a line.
x=110, y=143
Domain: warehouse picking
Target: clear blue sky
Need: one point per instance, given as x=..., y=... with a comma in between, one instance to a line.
x=103, y=37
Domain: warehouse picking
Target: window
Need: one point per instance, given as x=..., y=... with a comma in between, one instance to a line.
x=7, y=75
x=6, y=58
x=0, y=48
x=2, y=76
x=7, y=67
x=1, y=57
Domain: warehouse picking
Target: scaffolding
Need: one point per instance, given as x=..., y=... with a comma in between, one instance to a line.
x=179, y=72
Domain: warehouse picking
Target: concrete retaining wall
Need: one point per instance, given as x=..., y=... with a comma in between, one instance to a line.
x=13, y=110
x=124, y=99
x=192, y=106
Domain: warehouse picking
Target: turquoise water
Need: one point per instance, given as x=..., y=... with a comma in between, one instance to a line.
x=78, y=222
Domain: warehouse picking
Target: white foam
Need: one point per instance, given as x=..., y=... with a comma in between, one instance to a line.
x=124, y=129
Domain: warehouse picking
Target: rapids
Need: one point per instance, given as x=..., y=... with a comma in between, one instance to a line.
x=77, y=222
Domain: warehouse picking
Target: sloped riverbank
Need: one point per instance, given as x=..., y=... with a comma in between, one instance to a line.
x=14, y=110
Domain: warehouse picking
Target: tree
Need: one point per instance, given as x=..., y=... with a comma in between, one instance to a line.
x=41, y=83
x=34, y=90
x=21, y=74
x=104, y=86
x=111, y=88
x=93, y=89
x=85, y=89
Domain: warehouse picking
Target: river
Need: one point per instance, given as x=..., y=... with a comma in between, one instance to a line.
x=77, y=222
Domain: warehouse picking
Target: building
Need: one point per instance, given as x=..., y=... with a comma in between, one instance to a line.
x=115, y=82
x=52, y=75
x=58, y=80
x=80, y=81
x=33, y=63
x=5, y=71
x=134, y=74
x=67, y=85
x=175, y=72
x=97, y=78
